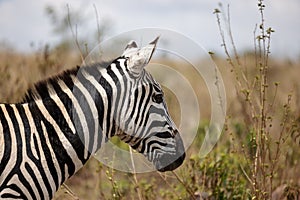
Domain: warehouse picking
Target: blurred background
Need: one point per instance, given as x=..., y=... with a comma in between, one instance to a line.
x=27, y=25
x=40, y=38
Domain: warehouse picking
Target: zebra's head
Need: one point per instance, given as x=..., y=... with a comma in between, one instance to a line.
x=145, y=122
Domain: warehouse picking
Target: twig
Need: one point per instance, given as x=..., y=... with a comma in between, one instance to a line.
x=231, y=37
x=70, y=192
x=217, y=83
x=185, y=186
x=134, y=175
x=246, y=175
x=74, y=35
x=98, y=24
x=164, y=179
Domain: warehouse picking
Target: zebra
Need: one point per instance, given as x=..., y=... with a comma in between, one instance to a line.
x=65, y=119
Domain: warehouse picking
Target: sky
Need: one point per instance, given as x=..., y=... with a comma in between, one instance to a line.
x=25, y=22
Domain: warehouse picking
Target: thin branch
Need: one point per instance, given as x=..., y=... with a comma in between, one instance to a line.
x=246, y=175
x=188, y=189
x=74, y=34
x=231, y=37
x=134, y=175
x=170, y=186
x=223, y=40
x=98, y=24
x=70, y=192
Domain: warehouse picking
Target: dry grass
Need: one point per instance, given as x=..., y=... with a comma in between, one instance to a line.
x=258, y=155
x=18, y=72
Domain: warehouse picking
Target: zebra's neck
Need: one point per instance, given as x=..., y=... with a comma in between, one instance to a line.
x=78, y=104
x=61, y=122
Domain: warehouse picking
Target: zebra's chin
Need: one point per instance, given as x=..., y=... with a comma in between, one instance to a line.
x=162, y=167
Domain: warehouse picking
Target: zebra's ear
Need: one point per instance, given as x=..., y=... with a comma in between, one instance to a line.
x=131, y=47
x=139, y=58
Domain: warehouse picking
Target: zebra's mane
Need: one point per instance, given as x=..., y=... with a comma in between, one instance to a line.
x=40, y=90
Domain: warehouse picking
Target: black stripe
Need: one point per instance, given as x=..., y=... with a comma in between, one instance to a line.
x=145, y=111
x=118, y=93
x=57, y=115
x=129, y=96
x=147, y=143
x=38, y=117
x=58, y=148
x=156, y=87
x=83, y=103
x=136, y=93
x=153, y=154
x=123, y=59
x=137, y=143
x=7, y=143
x=141, y=100
x=154, y=123
x=125, y=91
x=96, y=98
x=108, y=89
x=17, y=166
x=33, y=177
x=72, y=112
x=150, y=143
x=29, y=152
x=14, y=187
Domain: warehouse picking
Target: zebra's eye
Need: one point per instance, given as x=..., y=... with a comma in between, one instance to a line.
x=157, y=98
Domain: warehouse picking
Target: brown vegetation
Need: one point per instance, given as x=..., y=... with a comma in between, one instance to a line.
x=214, y=176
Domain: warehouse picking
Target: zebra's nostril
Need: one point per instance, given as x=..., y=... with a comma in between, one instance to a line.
x=164, y=135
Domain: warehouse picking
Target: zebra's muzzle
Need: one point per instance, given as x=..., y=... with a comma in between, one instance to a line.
x=169, y=162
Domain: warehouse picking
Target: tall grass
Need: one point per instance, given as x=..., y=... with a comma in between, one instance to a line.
x=257, y=157
x=269, y=124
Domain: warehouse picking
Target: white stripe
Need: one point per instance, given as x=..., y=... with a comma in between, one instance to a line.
x=118, y=109
x=113, y=87
x=26, y=159
x=13, y=157
x=62, y=107
x=66, y=169
x=45, y=166
x=9, y=191
x=128, y=94
x=54, y=160
x=62, y=138
x=15, y=180
x=79, y=111
x=136, y=111
x=170, y=149
x=143, y=107
x=33, y=130
x=91, y=103
x=1, y=141
x=122, y=64
x=103, y=95
x=152, y=117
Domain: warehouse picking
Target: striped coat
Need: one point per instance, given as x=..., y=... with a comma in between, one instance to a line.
x=65, y=119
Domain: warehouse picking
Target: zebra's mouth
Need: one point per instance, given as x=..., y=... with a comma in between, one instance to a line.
x=169, y=162
x=167, y=165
